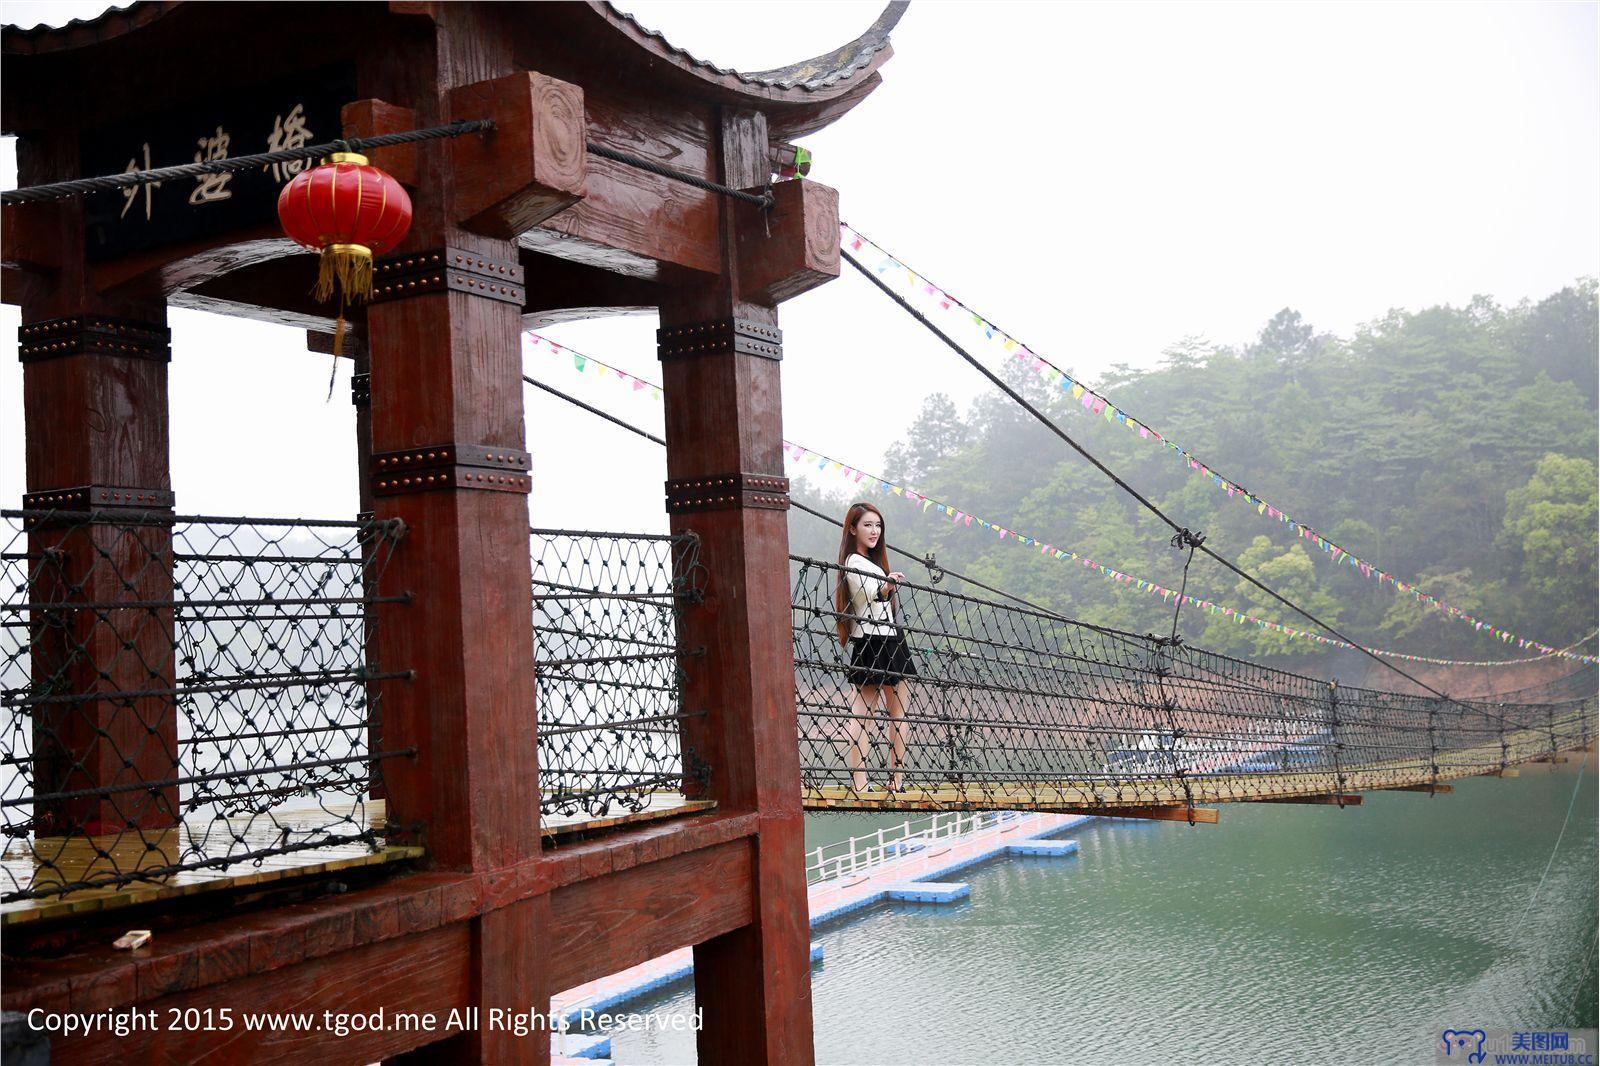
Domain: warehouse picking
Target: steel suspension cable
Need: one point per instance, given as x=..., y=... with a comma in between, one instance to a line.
x=925, y=560
x=1196, y=463
x=111, y=182
x=1179, y=530
x=762, y=200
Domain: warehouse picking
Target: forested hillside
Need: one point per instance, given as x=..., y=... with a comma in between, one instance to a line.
x=1452, y=447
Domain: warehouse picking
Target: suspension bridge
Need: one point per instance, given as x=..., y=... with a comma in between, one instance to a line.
x=486, y=762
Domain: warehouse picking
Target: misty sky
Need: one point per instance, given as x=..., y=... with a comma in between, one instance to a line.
x=1102, y=180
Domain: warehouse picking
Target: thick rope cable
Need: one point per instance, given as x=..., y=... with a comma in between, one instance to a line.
x=927, y=561
x=1027, y=707
x=1180, y=530
x=110, y=182
x=763, y=200
x=923, y=559
x=1570, y=804
x=1196, y=463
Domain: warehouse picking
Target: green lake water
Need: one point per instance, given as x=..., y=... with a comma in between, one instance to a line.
x=1285, y=934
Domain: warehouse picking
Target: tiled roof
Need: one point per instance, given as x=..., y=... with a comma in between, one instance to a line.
x=819, y=72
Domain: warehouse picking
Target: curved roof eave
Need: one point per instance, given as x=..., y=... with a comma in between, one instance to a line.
x=798, y=98
x=822, y=77
x=114, y=22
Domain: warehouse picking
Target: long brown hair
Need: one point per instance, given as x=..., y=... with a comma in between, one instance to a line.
x=847, y=547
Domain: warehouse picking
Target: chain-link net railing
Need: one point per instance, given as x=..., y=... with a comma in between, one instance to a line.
x=184, y=694
x=1574, y=685
x=999, y=706
x=610, y=670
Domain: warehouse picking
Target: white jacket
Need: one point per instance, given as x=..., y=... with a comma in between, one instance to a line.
x=870, y=616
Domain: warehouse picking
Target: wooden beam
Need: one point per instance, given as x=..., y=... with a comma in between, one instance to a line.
x=603, y=925
x=1343, y=799
x=187, y=955
x=1551, y=758
x=1416, y=788
x=425, y=972
x=1510, y=771
x=1197, y=815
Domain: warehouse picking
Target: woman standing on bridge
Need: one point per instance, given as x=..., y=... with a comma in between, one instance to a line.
x=880, y=662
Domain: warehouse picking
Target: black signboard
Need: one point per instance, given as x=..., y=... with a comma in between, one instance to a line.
x=288, y=114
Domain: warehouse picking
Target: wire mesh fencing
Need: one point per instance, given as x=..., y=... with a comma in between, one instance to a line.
x=992, y=705
x=610, y=670
x=184, y=694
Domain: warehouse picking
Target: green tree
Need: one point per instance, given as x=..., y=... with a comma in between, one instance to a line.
x=1292, y=575
x=1550, y=521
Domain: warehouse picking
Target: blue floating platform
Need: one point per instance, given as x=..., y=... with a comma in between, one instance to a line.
x=928, y=892
x=1051, y=848
x=904, y=847
x=643, y=986
x=587, y=1046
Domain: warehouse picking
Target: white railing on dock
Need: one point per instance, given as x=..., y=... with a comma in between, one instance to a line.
x=847, y=858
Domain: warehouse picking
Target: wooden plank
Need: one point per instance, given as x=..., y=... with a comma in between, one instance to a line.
x=1420, y=788
x=424, y=972
x=1345, y=799
x=655, y=221
x=43, y=862
x=605, y=924
x=1196, y=815
x=238, y=947
x=671, y=806
x=532, y=166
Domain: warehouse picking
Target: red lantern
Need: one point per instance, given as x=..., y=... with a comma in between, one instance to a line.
x=349, y=211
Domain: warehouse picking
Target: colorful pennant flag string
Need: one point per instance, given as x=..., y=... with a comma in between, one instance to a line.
x=1096, y=404
x=810, y=459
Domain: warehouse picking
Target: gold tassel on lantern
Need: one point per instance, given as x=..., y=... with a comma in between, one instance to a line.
x=346, y=269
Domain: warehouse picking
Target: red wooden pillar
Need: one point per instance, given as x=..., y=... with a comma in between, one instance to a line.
x=447, y=460
x=95, y=406
x=720, y=350
x=443, y=334
x=95, y=401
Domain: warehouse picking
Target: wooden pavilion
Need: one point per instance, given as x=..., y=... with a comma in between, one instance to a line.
x=526, y=225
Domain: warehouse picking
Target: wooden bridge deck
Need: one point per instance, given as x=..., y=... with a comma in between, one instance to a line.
x=47, y=861
x=1223, y=787
x=40, y=863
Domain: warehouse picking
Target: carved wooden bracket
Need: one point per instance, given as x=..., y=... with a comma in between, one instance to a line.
x=535, y=163
x=30, y=236
x=796, y=249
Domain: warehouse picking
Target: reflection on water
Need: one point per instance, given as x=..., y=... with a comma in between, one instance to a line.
x=1285, y=934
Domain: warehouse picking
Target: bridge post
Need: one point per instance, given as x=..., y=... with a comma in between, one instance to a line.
x=447, y=459
x=95, y=407
x=720, y=349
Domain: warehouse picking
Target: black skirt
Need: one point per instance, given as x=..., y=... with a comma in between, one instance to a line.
x=879, y=660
